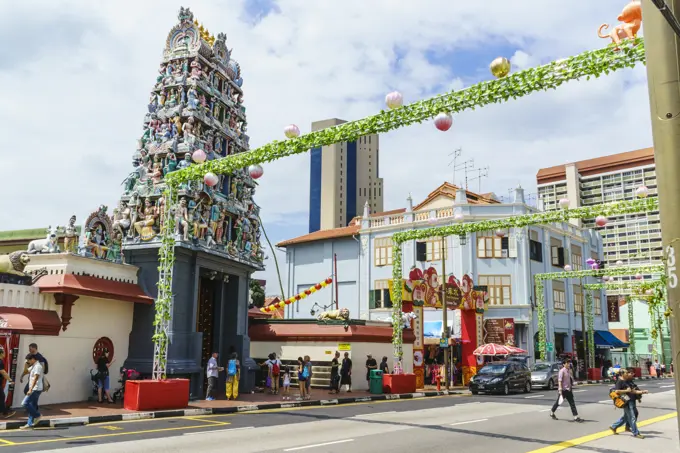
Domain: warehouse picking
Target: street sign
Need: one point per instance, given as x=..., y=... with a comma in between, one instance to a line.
x=344, y=347
x=549, y=347
x=443, y=342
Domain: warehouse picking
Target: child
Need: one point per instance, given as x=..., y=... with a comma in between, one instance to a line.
x=286, y=384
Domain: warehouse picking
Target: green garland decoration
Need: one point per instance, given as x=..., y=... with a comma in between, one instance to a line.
x=163, y=303
x=588, y=212
x=634, y=285
x=590, y=319
x=397, y=337
x=550, y=76
x=631, y=327
x=540, y=309
x=588, y=64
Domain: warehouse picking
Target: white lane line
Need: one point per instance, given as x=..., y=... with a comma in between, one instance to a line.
x=218, y=431
x=545, y=410
x=319, y=445
x=579, y=391
x=533, y=396
x=374, y=414
x=605, y=401
x=469, y=421
x=666, y=386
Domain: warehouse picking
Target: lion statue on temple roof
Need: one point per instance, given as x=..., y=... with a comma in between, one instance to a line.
x=14, y=263
x=335, y=315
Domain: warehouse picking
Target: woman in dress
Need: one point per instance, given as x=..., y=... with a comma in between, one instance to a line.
x=346, y=373
x=302, y=381
x=335, y=374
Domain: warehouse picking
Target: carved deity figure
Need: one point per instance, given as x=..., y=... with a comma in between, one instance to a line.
x=70, y=236
x=171, y=163
x=121, y=220
x=182, y=220
x=196, y=72
x=144, y=227
x=220, y=227
x=192, y=95
x=186, y=162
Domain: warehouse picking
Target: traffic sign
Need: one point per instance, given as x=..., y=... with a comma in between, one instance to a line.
x=549, y=347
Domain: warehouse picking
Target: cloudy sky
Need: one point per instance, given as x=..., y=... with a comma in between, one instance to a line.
x=75, y=77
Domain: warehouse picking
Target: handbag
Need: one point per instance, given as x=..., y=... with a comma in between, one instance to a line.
x=269, y=381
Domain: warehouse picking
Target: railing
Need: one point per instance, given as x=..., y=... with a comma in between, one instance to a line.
x=21, y=296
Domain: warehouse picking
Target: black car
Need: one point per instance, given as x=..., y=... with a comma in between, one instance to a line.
x=501, y=377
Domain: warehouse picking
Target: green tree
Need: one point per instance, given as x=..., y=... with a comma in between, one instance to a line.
x=256, y=293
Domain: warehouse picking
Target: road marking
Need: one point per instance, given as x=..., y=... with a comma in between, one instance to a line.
x=585, y=439
x=205, y=420
x=6, y=443
x=320, y=445
x=545, y=410
x=533, y=396
x=666, y=386
x=605, y=401
x=218, y=431
x=579, y=391
x=373, y=414
x=469, y=421
x=111, y=428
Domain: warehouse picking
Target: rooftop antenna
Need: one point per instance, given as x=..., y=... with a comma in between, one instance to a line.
x=467, y=166
x=481, y=173
x=456, y=154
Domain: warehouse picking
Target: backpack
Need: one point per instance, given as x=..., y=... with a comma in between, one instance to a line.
x=305, y=372
x=619, y=400
x=231, y=368
x=276, y=369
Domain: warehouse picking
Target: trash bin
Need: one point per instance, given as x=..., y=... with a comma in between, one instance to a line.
x=375, y=383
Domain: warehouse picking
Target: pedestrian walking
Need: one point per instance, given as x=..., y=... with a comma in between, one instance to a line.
x=233, y=375
x=33, y=350
x=5, y=380
x=35, y=388
x=629, y=394
x=213, y=373
x=565, y=386
x=346, y=373
x=286, y=384
x=335, y=374
x=657, y=367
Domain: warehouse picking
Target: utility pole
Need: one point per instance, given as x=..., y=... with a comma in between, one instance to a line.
x=583, y=330
x=663, y=78
x=445, y=314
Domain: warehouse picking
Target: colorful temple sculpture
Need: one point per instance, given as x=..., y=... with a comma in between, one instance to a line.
x=195, y=113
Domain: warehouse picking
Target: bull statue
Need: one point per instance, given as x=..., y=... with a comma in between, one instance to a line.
x=47, y=245
x=406, y=319
x=335, y=315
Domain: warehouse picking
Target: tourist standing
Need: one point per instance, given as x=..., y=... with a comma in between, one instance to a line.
x=103, y=378
x=35, y=388
x=275, y=372
x=384, y=367
x=213, y=373
x=4, y=380
x=565, y=385
x=346, y=373
x=626, y=387
x=335, y=374
x=371, y=364
x=233, y=374
x=657, y=367
x=308, y=383
x=286, y=384
x=302, y=378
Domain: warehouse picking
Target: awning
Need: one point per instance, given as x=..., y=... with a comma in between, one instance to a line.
x=606, y=339
x=13, y=321
x=85, y=285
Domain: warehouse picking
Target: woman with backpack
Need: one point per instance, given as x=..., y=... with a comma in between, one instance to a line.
x=303, y=375
x=233, y=374
x=103, y=364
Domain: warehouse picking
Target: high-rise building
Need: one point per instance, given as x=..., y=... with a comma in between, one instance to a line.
x=343, y=177
x=631, y=238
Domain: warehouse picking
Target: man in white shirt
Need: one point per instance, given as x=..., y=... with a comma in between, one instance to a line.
x=213, y=373
x=35, y=388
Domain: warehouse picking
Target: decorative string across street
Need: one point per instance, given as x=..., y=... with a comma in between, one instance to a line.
x=550, y=76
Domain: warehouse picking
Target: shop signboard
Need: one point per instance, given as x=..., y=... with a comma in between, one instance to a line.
x=499, y=331
x=613, y=314
x=344, y=347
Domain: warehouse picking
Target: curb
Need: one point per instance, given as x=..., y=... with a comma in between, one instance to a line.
x=81, y=421
x=611, y=381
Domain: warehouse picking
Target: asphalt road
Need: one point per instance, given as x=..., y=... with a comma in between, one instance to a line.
x=515, y=423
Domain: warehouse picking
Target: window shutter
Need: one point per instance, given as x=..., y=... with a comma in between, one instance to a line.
x=371, y=299
x=560, y=256
x=387, y=299
x=421, y=251
x=505, y=243
x=512, y=242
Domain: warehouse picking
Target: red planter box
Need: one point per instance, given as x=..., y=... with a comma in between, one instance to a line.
x=399, y=383
x=156, y=395
x=594, y=374
x=638, y=372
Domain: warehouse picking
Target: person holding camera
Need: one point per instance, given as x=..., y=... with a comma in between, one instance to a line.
x=630, y=392
x=104, y=383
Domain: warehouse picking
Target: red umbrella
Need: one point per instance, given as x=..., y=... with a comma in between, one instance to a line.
x=491, y=349
x=515, y=350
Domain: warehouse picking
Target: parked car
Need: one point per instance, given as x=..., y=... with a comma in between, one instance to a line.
x=544, y=374
x=501, y=377
x=525, y=359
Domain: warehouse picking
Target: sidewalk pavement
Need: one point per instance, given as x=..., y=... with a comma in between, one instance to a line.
x=660, y=436
x=84, y=413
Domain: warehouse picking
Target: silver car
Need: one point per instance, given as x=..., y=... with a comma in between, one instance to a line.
x=544, y=374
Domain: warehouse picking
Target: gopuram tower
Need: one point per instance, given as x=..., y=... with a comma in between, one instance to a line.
x=195, y=113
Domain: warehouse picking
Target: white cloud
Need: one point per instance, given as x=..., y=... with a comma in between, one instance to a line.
x=75, y=78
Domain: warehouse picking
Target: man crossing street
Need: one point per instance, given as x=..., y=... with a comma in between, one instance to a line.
x=565, y=386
